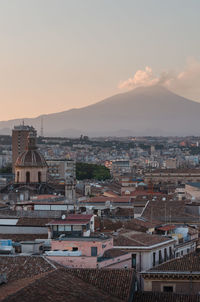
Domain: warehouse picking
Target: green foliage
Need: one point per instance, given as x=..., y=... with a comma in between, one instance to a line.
x=91, y=171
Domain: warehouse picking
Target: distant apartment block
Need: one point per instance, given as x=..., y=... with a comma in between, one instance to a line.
x=19, y=140
x=175, y=176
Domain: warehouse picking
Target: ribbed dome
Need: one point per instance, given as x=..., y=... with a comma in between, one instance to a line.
x=30, y=158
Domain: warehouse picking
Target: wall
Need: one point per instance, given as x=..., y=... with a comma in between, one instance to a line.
x=76, y=262
x=180, y=286
x=33, y=174
x=83, y=245
x=144, y=259
x=91, y=262
x=117, y=262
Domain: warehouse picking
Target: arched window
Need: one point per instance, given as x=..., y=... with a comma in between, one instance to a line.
x=39, y=177
x=27, y=177
x=18, y=176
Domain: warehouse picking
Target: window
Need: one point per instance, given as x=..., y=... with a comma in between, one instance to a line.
x=55, y=228
x=133, y=261
x=165, y=254
x=27, y=177
x=93, y=251
x=160, y=257
x=68, y=228
x=61, y=228
x=154, y=259
x=39, y=177
x=170, y=252
x=168, y=289
x=77, y=227
x=18, y=176
x=74, y=249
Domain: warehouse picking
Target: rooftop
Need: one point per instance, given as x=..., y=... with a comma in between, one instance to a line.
x=138, y=239
x=168, y=211
x=187, y=263
x=167, y=228
x=19, y=267
x=109, y=285
x=27, y=221
x=79, y=238
x=23, y=237
x=103, y=199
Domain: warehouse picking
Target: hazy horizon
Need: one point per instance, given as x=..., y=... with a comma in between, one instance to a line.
x=59, y=55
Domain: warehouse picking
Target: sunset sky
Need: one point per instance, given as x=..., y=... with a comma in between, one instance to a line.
x=62, y=54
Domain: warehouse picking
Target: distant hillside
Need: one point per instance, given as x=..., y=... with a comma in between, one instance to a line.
x=143, y=111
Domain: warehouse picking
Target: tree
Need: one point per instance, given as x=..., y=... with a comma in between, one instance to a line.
x=92, y=171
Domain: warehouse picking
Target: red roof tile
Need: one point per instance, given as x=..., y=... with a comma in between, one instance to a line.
x=167, y=228
x=61, y=285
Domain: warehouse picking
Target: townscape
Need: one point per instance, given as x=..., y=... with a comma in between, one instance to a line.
x=127, y=233
x=99, y=151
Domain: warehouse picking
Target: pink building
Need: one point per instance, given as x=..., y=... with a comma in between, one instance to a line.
x=73, y=246
x=88, y=252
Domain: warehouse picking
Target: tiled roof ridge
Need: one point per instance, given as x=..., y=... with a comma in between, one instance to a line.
x=46, y=287
x=127, y=235
x=186, y=263
x=96, y=277
x=15, y=286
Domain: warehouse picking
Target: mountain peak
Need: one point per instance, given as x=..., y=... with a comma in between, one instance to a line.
x=152, y=110
x=150, y=89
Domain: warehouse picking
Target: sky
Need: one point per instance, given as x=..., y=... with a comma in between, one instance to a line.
x=61, y=54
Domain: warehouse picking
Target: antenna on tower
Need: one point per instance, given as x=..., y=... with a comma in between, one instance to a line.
x=42, y=128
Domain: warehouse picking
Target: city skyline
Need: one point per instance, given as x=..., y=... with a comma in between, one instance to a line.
x=58, y=55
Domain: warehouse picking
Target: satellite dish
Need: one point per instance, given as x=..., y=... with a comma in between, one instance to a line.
x=63, y=216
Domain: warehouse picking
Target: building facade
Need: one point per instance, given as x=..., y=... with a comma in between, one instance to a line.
x=19, y=141
x=30, y=166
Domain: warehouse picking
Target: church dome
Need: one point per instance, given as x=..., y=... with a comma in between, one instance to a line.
x=31, y=157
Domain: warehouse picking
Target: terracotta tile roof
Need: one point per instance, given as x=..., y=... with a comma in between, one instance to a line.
x=113, y=194
x=107, y=225
x=172, y=210
x=139, y=239
x=164, y=297
x=103, y=199
x=145, y=224
x=61, y=286
x=26, y=221
x=72, y=219
x=45, y=196
x=79, y=217
x=116, y=282
x=178, y=170
x=167, y=228
x=67, y=221
x=187, y=263
x=112, y=253
x=124, y=212
x=14, y=286
x=19, y=267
